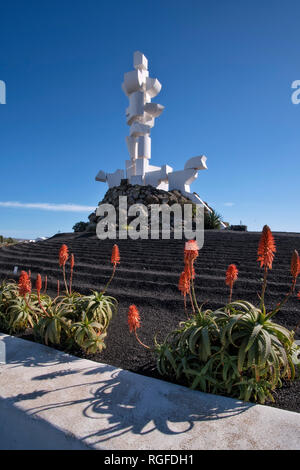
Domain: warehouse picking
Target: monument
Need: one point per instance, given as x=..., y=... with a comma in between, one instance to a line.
x=140, y=116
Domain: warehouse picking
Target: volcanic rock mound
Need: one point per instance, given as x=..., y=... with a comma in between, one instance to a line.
x=137, y=194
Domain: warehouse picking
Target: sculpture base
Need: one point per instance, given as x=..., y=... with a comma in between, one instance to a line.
x=137, y=194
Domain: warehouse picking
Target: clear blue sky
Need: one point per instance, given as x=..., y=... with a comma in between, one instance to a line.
x=226, y=68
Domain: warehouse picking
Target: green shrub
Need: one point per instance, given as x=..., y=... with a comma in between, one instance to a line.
x=80, y=226
x=212, y=220
x=65, y=320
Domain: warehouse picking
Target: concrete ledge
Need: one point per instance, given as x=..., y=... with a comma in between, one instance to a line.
x=52, y=400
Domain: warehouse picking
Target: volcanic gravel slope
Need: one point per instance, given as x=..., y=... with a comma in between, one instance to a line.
x=148, y=277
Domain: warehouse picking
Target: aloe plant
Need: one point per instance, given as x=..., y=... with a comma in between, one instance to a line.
x=20, y=314
x=261, y=343
x=88, y=335
x=231, y=351
x=99, y=307
x=50, y=327
x=73, y=302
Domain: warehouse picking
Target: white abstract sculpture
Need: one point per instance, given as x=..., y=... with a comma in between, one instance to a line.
x=140, y=116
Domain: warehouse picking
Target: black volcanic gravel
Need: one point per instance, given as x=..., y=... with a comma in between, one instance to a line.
x=148, y=277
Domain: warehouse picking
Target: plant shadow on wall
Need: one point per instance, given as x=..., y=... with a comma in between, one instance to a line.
x=127, y=411
x=46, y=358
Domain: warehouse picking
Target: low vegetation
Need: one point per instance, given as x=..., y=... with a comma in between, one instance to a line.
x=68, y=319
x=212, y=220
x=236, y=350
x=80, y=226
x=6, y=241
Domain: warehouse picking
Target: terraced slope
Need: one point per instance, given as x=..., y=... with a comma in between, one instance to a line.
x=148, y=277
x=149, y=270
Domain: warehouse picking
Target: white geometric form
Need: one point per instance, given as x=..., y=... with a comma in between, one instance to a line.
x=137, y=129
x=140, y=62
x=136, y=180
x=198, y=163
x=144, y=147
x=153, y=87
x=130, y=168
x=133, y=81
x=182, y=179
x=132, y=146
x=140, y=116
x=154, y=109
x=135, y=110
x=114, y=179
x=158, y=176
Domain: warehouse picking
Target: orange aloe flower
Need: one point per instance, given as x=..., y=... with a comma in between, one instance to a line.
x=190, y=273
x=115, y=256
x=38, y=284
x=295, y=265
x=133, y=318
x=266, y=248
x=63, y=255
x=231, y=275
x=184, y=283
x=191, y=251
x=24, y=284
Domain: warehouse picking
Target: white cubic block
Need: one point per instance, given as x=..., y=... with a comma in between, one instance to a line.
x=198, y=163
x=144, y=146
x=153, y=86
x=136, y=107
x=141, y=165
x=130, y=168
x=114, y=179
x=182, y=179
x=133, y=81
x=140, y=61
x=137, y=179
x=138, y=129
x=154, y=109
x=132, y=146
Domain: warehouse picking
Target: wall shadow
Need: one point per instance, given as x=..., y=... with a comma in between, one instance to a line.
x=122, y=406
x=22, y=352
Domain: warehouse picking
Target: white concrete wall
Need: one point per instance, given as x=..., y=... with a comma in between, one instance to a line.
x=49, y=399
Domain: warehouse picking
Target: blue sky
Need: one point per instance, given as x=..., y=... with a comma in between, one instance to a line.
x=226, y=68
